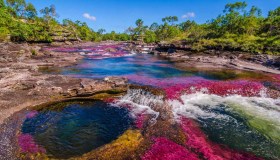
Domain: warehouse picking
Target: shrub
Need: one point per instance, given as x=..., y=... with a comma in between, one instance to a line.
x=4, y=32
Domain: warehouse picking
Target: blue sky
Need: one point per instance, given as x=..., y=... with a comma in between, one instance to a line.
x=118, y=15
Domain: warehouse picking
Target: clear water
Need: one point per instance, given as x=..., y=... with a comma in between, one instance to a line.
x=144, y=65
x=234, y=132
x=77, y=129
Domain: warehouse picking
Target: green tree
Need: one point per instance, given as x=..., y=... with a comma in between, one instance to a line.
x=139, y=23
x=140, y=28
x=17, y=7
x=30, y=11
x=251, y=21
x=122, y=37
x=170, y=20
x=272, y=22
x=49, y=13
x=185, y=26
x=235, y=7
x=84, y=32
x=2, y=4
x=101, y=31
x=167, y=32
x=150, y=37
x=154, y=27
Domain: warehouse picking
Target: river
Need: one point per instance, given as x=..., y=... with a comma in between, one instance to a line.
x=200, y=114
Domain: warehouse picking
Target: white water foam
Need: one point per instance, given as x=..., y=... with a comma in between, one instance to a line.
x=141, y=102
x=198, y=105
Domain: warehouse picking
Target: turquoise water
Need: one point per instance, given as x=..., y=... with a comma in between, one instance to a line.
x=143, y=65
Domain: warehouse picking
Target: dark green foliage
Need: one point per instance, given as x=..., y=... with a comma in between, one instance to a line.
x=19, y=21
x=2, y=4
x=31, y=11
x=170, y=19
x=17, y=7
x=236, y=29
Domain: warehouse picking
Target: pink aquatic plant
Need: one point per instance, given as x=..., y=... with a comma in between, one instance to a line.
x=198, y=142
x=31, y=114
x=109, y=100
x=140, y=120
x=174, y=87
x=28, y=145
x=221, y=88
x=165, y=149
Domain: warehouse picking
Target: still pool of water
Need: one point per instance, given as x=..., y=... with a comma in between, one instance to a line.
x=145, y=66
x=76, y=128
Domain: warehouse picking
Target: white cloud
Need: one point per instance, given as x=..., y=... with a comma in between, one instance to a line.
x=188, y=15
x=88, y=16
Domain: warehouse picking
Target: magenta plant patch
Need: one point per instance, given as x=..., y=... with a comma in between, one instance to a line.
x=28, y=145
x=197, y=140
x=168, y=150
x=31, y=114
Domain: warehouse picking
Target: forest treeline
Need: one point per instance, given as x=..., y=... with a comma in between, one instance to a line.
x=239, y=27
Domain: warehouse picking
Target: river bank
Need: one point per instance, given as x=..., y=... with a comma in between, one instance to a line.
x=185, y=58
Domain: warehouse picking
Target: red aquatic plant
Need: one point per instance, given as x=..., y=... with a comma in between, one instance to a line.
x=198, y=142
x=165, y=149
x=28, y=145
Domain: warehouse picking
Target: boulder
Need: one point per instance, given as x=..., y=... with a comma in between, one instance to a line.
x=88, y=85
x=118, y=81
x=72, y=92
x=171, y=50
x=111, y=50
x=68, y=43
x=57, y=90
x=24, y=85
x=276, y=62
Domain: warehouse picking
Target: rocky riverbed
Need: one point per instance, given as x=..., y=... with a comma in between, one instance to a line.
x=23, y=84
x=185, y=58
